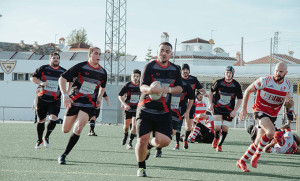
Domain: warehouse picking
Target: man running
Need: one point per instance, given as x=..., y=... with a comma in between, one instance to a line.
x=87, y=90
x=48, y=100
x=222, y=102
x=154, y=115
x=195, y=84
x=272, y=91
x=132, y=91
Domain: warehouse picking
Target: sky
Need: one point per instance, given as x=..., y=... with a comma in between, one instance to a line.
x=226, y=21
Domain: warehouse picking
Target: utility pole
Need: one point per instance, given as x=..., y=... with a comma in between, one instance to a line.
x=271, y=55
x=276, y=42
x=242, y=51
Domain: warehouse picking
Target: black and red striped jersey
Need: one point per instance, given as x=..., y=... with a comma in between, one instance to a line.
x=195, y=84
x=87, y=81
x=225, y=94
x=168, y=76
x=179, y=100
x=46, y=73
x=132, y=93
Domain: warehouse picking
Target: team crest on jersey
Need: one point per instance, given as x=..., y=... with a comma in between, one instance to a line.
x=8, y=66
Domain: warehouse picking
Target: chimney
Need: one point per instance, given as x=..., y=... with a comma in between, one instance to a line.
x=291, y=53
x=35, y=45
x=22, y=44
x=238, y=60
x=61, y=43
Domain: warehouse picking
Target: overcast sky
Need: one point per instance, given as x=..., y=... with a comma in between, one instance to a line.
x=255, y=20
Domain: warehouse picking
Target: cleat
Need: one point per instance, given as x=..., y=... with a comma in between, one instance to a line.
x=38, y=145
x=92, y=134
x=176, y=147
x=46, y=142
x=219, y=149
x=215, y=143
x=129, y=146
x=242, y=165
x=148, y=154
x=62, y=160
x=254, y=160
x=141, y=172
x=124, y=141
x=190, y=140
x=185, y=145
x=158, y=154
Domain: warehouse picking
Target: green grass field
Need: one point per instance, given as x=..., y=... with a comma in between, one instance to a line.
x=103, y=158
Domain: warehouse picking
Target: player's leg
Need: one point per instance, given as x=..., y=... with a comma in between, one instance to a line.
x=132, y=132
x=225, y=127
x=177, y=135
x=82, y=119
x=42, y=107
x=54, y=110
x=218, y=120
x=268, y=128
x=126, y=125
x=93, y=123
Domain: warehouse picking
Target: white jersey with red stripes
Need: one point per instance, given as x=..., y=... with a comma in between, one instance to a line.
x=210, y=123
x=201, y=107
x=289, y=147
x=271, y=95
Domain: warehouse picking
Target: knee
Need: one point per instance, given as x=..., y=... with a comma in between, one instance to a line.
x=65, y=130
x=143, y=140
x=270, y=133
x=52, y=117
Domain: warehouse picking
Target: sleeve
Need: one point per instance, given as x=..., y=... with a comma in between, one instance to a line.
x=146, y=75
x=123, y=90
x=214, y=87
x=178, y=80
x=198, y=85
x=103, y=84
x=260, y=83
x=38, y=72
x=71, y=73
x=190, y=93
x=239, y=93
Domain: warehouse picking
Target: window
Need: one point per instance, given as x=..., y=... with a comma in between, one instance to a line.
x=21, y=76
x=1, y=76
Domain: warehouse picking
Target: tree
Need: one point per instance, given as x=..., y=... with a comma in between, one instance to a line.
x=148, y=55
x=78, y=36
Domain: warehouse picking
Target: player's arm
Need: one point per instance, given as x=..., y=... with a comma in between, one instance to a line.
x=100, y=95
x=250, y=89
x=203, y=92
x=106, y=99
x=191, y=98
x=35, y=77
x=62, y=85
x=239, y=96
x=267, y=149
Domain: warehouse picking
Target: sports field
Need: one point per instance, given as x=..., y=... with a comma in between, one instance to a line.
x=103, y=158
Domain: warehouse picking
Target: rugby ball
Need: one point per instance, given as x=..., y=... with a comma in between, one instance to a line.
x=155, y=96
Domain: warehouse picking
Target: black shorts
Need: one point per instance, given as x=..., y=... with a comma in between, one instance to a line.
x=192, y=111
x=290, y=116
x=260, y=115
x=129, y=115
x=175, y=124
x=97, y=112
x=74, y=110
x=224, y=113
x=147, y=122
x=205, y=139
x=46, y=108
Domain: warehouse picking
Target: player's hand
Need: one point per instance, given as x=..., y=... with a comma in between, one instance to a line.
x=126, y=107
x=233, y=114
x=210, y=107
x=107, y=103
x=44, y=84
x=98, y=103
x=67, y=102
x=156, y=89
x=186, y=115
x=288, y=101
x=243, y=115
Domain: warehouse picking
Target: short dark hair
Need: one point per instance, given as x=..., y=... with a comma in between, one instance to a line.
x=166, y=43
x=54, y=53
x=136, y=71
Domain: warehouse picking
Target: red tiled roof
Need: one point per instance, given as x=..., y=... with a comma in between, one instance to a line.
x=275, y=59
x=200, y=57
x=80, y=45
x=196, y=40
